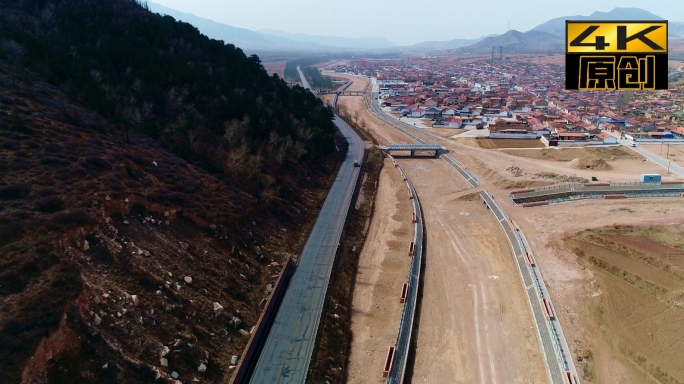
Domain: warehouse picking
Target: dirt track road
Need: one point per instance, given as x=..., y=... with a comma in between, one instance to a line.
x=475, y=323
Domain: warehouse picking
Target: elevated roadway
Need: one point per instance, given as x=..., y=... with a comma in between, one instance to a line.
x=565, y=191
x=286, y=354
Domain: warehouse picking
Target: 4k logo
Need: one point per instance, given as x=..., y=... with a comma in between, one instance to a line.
x=616, y=37
x=616, y=55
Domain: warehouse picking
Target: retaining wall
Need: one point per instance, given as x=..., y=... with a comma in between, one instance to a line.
x=250, y=355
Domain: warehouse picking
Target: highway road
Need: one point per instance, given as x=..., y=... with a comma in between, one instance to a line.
x=287, y=352
x=400, y=124
x=580, y=189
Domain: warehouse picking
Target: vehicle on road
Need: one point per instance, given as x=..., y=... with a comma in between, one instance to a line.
x=632, y=144
x=356, y=163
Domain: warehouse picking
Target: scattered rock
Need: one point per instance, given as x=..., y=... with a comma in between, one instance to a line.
x=107, y=198
x=86, y=245
x=97, y=320
x=269, y=288
x=125, y=221
x=183, y=245
x=155, y=164
x=165, y=351
x=164, y=362
x=243, y=332
x=188, y=279
x=166, y=213
x=233, y=360
x=196, y=380
x=202, y=368
x=174, y=374
x=96, y=299
x=218, y=308
x=105, y=366
x=235, y=322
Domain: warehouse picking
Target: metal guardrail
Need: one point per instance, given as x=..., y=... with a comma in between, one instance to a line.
x=552, y=340
x=403, y=343
x=569, y=192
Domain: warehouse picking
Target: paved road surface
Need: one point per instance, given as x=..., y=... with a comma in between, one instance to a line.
x=287, y=352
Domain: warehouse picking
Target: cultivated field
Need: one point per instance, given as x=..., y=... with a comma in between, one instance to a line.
x=638, y=306
x=508, y=143
x=277, y=67
x=445, y=132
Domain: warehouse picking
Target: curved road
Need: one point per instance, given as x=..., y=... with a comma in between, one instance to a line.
x=287, y=352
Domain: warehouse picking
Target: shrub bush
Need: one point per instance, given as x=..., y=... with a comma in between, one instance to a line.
x=69, y=219
x=15, y=191
x=49, y=204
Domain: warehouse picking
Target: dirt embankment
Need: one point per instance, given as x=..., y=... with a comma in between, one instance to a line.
x=333, y=343
x=638, y=301
x=113, y=249
x=383, y=268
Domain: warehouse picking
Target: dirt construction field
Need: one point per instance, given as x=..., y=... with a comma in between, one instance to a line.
x=509, y=143
x=383, y=268
x=473, y=307
x=639, y=299
x=674, y=153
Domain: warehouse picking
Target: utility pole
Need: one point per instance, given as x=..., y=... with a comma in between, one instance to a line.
x=668, y=166
x=668, y=151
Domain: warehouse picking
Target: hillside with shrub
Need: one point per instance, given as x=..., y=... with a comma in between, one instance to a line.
x=153, y=182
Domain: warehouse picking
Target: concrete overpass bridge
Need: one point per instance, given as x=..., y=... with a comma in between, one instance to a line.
x=351, y=93
x=413, y=148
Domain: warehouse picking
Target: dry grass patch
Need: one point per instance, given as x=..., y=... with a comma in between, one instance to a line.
x=569, y=154
x=640, y=302
x=509, y=143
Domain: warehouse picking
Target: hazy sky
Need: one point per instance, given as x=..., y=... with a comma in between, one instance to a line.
x=405, y=22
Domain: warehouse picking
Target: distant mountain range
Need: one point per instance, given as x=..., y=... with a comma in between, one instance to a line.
x=550, y=36
x=515, y=41
x=546, y=37
x=330, y=41
x=557, y=26
x=445, y=45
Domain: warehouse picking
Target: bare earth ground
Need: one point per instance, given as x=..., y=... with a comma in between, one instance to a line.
x=574, y=287
x=473, y=307
x=277, y=67
x=640, y=289
x=358, y=85
x=508, y=143
x=675, y=152
x=445, y=132
x=383, y=268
